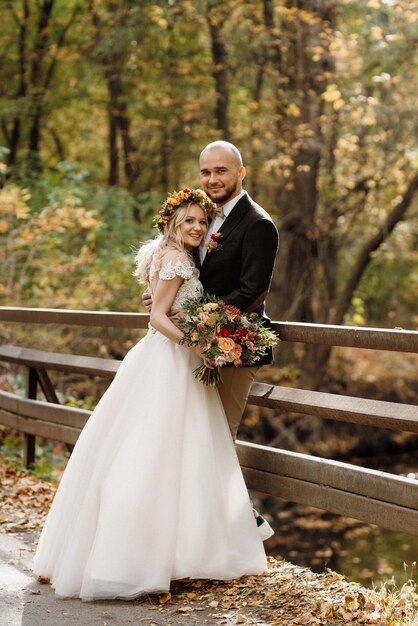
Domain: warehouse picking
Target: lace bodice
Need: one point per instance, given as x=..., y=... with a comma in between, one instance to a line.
x=191, y=288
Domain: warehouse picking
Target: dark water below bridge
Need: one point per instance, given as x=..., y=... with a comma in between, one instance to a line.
x=362, y=553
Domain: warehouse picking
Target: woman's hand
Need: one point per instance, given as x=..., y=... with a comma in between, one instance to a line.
x=206, y=362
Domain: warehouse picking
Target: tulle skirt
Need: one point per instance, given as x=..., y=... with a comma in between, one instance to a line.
x=153, y=491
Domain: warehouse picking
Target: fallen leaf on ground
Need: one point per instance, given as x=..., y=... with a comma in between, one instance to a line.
x=285, y=595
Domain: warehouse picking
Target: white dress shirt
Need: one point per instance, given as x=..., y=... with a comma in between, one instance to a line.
x=217, y=222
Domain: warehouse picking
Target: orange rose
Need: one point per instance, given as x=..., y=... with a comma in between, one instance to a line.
x=225, y=344
x=237, y=351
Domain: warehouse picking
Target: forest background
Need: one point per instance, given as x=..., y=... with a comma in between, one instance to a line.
x=105, y=106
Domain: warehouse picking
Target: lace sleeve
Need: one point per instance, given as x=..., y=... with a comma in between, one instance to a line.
x=169, y=270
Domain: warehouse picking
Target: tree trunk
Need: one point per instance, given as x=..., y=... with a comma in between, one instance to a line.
x=59, y=147
x=219, y=73
x=35, y=80
x=299, y=132
x=131, y=163
x=299, y=87
x=113, y=63
x=38, y=89
x=15, y=134
x=112, y=80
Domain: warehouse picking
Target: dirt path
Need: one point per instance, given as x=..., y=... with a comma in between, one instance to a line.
x=287, y=595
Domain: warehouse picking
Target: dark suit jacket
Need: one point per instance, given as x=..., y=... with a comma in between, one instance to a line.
x=240, y=273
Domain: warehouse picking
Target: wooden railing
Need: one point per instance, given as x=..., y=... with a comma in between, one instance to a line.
x=365, y=494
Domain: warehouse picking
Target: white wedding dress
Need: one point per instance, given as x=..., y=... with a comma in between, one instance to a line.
x=153, y=491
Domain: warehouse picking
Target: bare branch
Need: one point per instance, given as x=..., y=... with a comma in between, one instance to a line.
x=11, y=8
x=60, y=41
x=364, y=258
x=5, y=131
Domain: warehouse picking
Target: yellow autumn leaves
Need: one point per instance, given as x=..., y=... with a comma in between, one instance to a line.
x=16, y=216
x=38, y=246
x=13, y=207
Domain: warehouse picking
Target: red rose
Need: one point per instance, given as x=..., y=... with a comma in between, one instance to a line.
x=186, y=190
x=224, y=332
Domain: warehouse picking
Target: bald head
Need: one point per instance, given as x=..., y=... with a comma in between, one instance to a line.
x=225, y=146
x=221, y=171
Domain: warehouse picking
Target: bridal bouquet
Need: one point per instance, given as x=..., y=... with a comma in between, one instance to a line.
x=225, y=334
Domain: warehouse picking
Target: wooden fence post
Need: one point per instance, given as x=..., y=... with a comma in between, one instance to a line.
x=29, y=440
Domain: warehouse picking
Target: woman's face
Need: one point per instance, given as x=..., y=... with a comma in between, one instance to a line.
x=194, y=227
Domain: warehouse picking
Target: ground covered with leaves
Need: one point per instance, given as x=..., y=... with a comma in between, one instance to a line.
x=287, y=595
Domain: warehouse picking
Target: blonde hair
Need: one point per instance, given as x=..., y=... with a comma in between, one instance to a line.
x=152, y=251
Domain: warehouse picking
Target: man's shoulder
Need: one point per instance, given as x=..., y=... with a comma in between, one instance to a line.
x=256, y=211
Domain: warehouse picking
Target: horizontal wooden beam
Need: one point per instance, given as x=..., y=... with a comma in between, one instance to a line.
x=392, y=339
x=328, y=473
x=44, y=411
x=363, y=411
x=90, y=366
x=105, y=319
x=352, y=505
x=377, y=413
x=371, y=496
x=40, y=428
x=397, y=339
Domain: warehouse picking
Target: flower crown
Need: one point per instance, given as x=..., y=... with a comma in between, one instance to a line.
x=178, y=199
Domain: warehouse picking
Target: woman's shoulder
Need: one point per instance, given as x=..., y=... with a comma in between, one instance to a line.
x=172, y=255
x=176, y=263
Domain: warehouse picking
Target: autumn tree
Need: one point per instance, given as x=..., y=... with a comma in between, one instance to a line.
x=329, y=72
x=34, y=42
x=116, y=28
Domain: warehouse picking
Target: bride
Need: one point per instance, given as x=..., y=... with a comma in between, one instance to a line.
x=153, y=491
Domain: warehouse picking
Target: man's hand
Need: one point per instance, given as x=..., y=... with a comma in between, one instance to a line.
x=147, y=300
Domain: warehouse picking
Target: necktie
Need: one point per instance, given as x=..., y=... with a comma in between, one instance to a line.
x=219, y=211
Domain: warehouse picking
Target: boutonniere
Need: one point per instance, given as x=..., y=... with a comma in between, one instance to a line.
x=213, y=244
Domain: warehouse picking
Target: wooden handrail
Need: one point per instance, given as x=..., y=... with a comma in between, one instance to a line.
x=374, y=497
x=103, y=319
x=368, y=495
x=397, y=339
x=60, y=362
x=393, y=415
x=378, y=413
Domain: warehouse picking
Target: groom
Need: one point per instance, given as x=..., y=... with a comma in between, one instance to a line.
x=238, y=262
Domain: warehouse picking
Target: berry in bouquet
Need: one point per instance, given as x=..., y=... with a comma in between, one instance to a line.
x=224, y=334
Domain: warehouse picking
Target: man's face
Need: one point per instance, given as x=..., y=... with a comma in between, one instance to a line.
x=220, y=174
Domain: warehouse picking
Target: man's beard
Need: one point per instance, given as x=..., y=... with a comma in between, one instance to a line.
x=223, y=199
